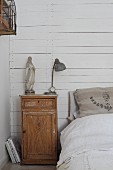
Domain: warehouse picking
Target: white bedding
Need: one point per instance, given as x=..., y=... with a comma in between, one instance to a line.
x=87, y=143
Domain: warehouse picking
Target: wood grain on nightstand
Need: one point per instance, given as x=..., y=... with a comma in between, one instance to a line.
x=39, y=129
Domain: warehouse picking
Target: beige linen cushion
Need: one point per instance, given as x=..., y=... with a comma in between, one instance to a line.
x=94, y=101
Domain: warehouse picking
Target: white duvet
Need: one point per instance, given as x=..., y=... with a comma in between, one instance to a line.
x=87, y=143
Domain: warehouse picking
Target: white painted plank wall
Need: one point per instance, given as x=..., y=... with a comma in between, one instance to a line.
x=78, y=32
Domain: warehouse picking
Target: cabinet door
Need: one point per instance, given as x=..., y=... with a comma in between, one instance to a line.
x=39, y=135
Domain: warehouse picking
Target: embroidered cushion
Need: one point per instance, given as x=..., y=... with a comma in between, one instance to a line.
x=94, y=101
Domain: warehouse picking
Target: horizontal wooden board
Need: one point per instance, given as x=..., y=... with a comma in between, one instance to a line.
x=84, y=75
x=81, y=50
x=87, y=60
x=39, y=60
x=26, y=19
x=72, y=86
x=77, y=11
x=27, y=2
x=62, y=26
x=46, y=33
x=74, y=39
x=72, y=61
x=81, y=1
x=41, y=75
x=96, y=42
x=40, y=87
x=91, y=39
x=81, y=25
x=67, y=50
x=32, y=7
x=56, y=11
x=62, y=90
x=59, y=50
x=35, y=2
x=55, y=51
x=39, y=46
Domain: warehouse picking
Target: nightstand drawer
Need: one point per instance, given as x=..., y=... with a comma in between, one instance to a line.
x=45, y=104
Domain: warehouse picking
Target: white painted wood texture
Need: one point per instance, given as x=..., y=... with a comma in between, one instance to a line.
x=78, y=32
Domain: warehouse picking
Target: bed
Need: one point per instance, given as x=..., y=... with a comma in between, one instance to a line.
x=87, y=142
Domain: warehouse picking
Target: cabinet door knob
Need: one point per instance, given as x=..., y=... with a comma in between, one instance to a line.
x=24, y=131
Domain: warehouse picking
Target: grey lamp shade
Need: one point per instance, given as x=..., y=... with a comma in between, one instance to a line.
x=58, y=66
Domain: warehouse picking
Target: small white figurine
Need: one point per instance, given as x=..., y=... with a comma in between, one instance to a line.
x=30, y=77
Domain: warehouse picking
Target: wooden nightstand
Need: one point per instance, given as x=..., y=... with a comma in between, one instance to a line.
x=39, y=129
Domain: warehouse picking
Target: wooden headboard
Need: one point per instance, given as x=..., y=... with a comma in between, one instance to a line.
x=71, y=106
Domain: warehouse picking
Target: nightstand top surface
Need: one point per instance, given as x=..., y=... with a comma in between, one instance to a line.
x=38, y=95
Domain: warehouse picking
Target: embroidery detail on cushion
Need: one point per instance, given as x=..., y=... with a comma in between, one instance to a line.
x=106, y=96
x=106, y=106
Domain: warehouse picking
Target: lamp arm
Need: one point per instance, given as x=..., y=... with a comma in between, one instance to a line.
x=52, y=75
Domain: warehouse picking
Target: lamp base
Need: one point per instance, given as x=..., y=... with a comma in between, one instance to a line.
x=50, y=93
